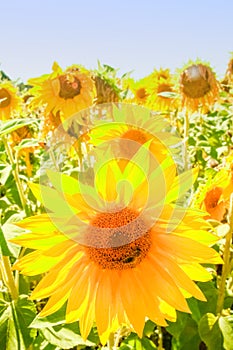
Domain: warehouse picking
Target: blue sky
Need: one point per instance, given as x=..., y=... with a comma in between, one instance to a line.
x=130, y=34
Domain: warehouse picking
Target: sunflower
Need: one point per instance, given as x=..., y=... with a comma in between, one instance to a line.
x=161, y=91
x=10, y=102
x=214, y=195
x=108, y=86
x=198, y=86
x=119, y=252
x=138, y=90
x=130, y=127
x=228, y=78
x=66, y=92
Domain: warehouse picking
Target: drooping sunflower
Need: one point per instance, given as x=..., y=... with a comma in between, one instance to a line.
x=131, y=126
x=161, y=91
x=119, y=252
x=64, y=91
x=10, y=102
x=228, y=78
x=198, y=86
x=107, y=84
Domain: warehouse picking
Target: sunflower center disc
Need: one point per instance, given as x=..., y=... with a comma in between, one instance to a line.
x=212, y=198
x=195, y=81
x=141, y=93
x=5, y=98
x=131, y=141
x=117, y=240
x=69, y=87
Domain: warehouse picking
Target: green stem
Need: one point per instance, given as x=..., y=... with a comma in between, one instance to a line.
x=8, y=277
x=226, y=260
x=111, y=342
x=15, y=172
x=186, y=135
x=160, y=338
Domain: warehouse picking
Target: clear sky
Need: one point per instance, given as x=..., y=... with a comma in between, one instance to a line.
x=131, y=34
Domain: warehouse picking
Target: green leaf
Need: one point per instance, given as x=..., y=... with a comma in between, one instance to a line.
x=40, y=343
x=210, y=332
x=168, y=94
x=55, y=319
x=188, y=337
x=11, y=231
x=65, y=336
x=149, y=328
x=25, y=143
x=211, y=294
x=8, y=126
x=15, y=317
x=3, y=245
x=194, y=307
x=4, y=173
x=226, y=326
x=176, y=328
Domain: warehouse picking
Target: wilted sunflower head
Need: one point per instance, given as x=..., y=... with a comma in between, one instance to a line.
x=198, y=86
x=66, y=92
x=228, y=78
x=108, y=85
x=10, y=102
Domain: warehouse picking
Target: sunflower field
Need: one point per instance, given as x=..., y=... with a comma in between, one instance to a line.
x=116, y=199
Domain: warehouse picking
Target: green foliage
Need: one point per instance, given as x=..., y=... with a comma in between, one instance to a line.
x=210, y=332
x=15, y=318
x=21, y=327
x=8, y=126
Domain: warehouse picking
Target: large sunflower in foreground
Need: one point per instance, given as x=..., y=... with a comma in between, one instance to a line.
x=117, y=253
x=66, y=92
x=199, y=88
x=10, y=102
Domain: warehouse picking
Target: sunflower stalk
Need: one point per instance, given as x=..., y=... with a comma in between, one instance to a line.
x=15, y=173
x=186, y=135
x=226, y=260
x=160, y=338
x=111, y=342
x=8, y=277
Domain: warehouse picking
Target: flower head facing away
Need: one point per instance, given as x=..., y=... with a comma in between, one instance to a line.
x=120, y=251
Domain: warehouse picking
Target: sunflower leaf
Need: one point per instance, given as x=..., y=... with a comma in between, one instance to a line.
x=3, y=245
x=8, y=126
x=15, y=316
x=26, y=143
x=65, y=336
x=210, y=332
x=226, y=326
x=54, y=319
